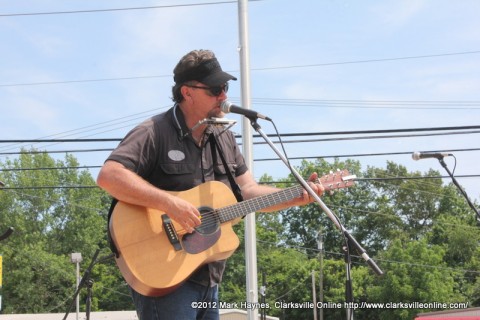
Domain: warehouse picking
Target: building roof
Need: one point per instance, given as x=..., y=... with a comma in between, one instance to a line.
x=455, y=314
x=107, y=315
x=225, y=314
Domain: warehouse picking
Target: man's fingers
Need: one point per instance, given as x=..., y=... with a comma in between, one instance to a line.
x=191, y=222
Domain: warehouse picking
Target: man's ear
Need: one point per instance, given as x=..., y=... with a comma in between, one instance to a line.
x=185, y=91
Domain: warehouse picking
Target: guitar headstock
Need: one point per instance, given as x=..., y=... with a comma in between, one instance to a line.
x=337, y=180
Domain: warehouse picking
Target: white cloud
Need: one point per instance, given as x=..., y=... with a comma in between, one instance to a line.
x=42, y=117
x=398, y=13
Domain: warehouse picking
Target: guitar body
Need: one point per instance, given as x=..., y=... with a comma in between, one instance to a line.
x=149, y=262
x=156, y=255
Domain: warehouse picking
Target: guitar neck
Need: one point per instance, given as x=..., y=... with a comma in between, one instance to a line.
x=330, y=182
x=240, y=209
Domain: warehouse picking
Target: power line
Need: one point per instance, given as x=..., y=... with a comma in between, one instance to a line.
x=270, y=159
x=115, y=123
x=356, y=102
x=60, y=140
x=370, y=60
x=253, y=69
x=50, y=168
x=268, y=182
x=55, y=151
x=117, y=9
x=460, y=128
x=80, y=81
x=356, y=155
x=374, y=131
x=283, y=135
x=371, y=137
x=373, y=104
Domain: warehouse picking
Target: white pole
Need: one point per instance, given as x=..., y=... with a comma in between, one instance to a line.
x=78, y=283
x=320, y=249
x=314, y=294
x=76, y=258
x=250, y=236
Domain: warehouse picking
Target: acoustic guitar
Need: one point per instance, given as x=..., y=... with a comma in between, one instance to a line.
x=156, y=254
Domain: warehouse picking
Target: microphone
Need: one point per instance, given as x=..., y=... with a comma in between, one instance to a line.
x=228, y=107
x=424, y=155
x=218, y=121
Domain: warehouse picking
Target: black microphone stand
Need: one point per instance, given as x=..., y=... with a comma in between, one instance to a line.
x=440, y=159
x=349, y=239
x=88, y=282
x=6, y=234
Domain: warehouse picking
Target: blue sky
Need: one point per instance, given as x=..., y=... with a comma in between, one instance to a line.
x=97, y=74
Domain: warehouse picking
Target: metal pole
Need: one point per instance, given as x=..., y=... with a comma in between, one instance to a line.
x=263, y=293
x=78, y=283
x=320, y=248
x=314, y=294
x=250, y=235
x=77, y=258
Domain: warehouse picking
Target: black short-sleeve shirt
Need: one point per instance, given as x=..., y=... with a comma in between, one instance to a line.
x=161, y=151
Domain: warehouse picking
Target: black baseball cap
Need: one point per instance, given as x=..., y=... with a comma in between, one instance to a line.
x=208, y=72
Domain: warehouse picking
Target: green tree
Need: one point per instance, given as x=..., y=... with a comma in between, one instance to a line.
x=55, y=210
x=416, y=272
x=301, y=225
x=420, y=232
x=415, y=204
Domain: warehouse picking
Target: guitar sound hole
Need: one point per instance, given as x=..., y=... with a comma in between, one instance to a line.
x=210, y=221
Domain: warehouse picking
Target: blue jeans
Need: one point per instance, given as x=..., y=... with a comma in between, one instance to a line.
x=191, y=301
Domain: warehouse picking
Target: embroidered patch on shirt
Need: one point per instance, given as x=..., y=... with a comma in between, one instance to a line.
x=176, y=155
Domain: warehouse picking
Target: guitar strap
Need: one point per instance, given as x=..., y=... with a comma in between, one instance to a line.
x=235, y=187
x=109, y=235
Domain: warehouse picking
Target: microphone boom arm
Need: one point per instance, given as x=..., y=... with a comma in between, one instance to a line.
x=444, y=165
x=312, y=193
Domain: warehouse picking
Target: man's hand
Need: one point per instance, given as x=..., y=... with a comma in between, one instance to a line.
x=184, y=213
x=316, y=186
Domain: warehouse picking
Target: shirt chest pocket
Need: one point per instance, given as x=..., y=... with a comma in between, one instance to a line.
x=173, y=168
x=176, y=176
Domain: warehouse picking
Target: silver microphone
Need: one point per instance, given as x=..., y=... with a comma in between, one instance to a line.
x=228, y=107
x=218, y=121
x=424, y=155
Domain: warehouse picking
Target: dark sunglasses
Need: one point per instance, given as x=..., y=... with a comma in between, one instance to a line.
x=214, y=91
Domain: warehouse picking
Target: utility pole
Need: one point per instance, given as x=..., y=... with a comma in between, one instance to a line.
x=77, y=258
x=321, y=252
x=250, y=230
x=263, y=293
x=314, y=294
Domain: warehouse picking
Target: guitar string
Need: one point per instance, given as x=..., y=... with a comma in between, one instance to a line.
x=228, y=213
x=235, y=210
x=212, y=218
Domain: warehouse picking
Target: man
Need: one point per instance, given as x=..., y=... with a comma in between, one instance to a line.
x=173, y=152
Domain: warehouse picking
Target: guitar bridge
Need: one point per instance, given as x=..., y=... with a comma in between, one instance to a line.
x=171, y=233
